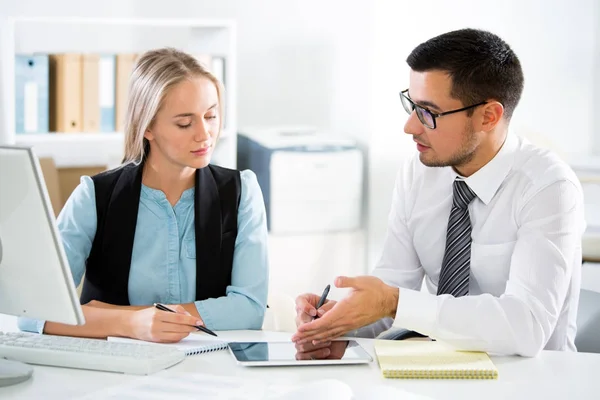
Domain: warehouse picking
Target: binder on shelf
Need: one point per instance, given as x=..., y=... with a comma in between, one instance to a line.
x=90, y=88
x=124, y=67
x=65, y=93
x=31, y=93
x=107, y=85
x=98, y=93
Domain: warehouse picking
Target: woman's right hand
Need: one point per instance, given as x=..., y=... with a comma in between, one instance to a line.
x=154, y=325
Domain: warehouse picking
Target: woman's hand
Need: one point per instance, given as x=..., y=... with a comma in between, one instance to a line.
x=154, y=325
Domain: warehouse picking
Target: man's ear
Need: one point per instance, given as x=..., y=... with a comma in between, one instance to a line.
x=492, y=114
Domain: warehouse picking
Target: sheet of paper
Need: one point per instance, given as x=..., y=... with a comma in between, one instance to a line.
x=192, y=341
x=380, y=391
x=321, y=389
x=183, y=387
x=334, y=389
x=209, y=387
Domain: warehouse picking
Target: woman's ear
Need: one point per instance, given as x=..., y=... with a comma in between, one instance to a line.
x=148, y=135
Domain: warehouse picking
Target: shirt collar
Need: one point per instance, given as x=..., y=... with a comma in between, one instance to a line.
x=486, y=182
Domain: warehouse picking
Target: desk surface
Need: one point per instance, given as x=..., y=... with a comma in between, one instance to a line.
x=552, y=375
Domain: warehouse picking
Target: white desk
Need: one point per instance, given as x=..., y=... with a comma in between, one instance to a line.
x=553, y=375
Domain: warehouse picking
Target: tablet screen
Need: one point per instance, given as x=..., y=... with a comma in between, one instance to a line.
x=277, y=352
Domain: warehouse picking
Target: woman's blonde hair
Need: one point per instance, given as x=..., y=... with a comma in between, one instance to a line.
x=154, y=74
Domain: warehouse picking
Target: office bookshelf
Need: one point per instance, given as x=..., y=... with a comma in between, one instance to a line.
x=29, y=35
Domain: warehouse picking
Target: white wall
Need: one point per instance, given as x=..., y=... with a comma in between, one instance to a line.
x=596, y=133
x=299, y=62
x=555, y=41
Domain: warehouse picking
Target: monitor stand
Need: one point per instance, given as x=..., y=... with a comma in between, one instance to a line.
x=13, y=372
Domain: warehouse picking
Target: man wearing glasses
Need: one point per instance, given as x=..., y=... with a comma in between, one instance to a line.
x=492, y=223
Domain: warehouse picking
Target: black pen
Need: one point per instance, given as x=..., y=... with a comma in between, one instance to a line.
x=200, y=327
x=322, y=299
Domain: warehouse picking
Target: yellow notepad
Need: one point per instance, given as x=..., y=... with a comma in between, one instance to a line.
x=431, y=360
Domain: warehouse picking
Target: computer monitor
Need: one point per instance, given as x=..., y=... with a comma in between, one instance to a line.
x=35, y=278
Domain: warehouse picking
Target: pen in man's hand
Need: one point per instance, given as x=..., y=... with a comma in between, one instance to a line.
x=199, y=327
x=322, y=299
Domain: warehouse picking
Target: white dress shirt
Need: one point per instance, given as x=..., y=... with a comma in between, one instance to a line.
x=525, y=271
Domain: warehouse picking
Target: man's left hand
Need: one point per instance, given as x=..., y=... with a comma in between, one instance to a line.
x=369, y=300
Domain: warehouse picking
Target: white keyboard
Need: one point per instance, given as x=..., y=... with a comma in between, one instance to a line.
x=94, y=354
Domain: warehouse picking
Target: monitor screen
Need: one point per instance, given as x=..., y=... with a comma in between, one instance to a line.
x=284, y=352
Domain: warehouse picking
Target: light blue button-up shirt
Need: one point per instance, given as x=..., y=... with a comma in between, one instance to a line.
x=163, y=264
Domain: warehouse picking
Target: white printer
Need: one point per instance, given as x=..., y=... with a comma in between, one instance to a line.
x=311, y=182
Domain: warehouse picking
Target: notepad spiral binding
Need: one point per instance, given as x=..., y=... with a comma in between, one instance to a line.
x=456, y=374
x=206, y=349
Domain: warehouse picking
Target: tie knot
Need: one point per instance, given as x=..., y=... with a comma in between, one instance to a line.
x=463, y=195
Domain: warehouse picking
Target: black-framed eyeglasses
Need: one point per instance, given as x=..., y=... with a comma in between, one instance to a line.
x=428, y=117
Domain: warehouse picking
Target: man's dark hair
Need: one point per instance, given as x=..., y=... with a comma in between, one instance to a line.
x=481, y=65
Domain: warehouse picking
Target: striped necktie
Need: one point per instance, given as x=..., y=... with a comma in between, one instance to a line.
x=454, y=276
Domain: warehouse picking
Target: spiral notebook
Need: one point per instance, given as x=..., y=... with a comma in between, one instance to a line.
x=431, y=360
x=195, y=343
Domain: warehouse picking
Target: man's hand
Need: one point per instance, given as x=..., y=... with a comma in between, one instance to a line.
x=305, y=308
x=369, y=300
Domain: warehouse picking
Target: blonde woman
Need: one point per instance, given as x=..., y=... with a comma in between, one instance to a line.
x=166, y=227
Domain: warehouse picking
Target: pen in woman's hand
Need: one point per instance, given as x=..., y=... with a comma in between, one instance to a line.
x=199, y=327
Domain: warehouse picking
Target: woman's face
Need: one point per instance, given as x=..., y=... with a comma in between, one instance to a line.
x=186, y=127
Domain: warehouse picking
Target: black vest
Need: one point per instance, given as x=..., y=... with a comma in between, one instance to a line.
x=217, y=198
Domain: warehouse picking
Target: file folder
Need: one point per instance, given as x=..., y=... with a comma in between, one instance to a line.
x=107, y=86
x=90, y=92
x=65, y=93
x=31, y=93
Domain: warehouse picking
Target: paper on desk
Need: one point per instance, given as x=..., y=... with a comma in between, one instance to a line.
x=321, y=389
x=334, y=389
x=368, y=392
x=184, y=386
x=209, y=387
x=191, y=342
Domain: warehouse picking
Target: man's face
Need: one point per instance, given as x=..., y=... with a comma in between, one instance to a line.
x=454, y=141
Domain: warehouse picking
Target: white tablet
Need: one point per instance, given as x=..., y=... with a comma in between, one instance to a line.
x=269, y=354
